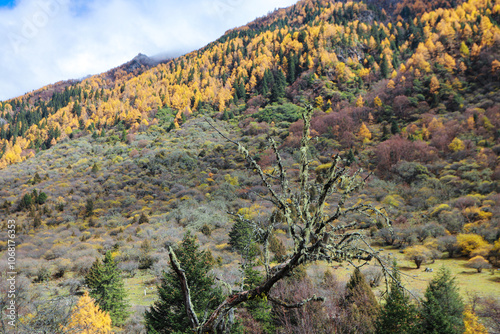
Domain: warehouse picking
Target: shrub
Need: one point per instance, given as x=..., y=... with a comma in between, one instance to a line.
x=478, y=263
x=74, y=284
x=411, y=172
x=143, y=219
x=452, y=220
x=42, y=275
x=286, y=112
x=418, y=254
x=449, y=244
x=62, y=266
x=470, y=242
x=83, y=264
x=373, y=275
x=56, y=251
x=128, y=267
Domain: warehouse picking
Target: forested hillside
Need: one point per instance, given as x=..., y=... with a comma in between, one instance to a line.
x=127, y=161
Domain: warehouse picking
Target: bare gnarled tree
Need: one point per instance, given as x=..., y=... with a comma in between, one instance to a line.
x=314, y=210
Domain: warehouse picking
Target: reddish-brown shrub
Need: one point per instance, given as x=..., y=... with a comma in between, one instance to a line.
x=313, y=316
x=392, y=151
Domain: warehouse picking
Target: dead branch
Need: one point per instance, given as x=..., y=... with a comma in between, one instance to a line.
x=315, y=212
x=185, y=288
x=296, y=305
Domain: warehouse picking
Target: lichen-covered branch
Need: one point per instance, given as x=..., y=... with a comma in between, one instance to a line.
x=315, y=211
x=185, y=288
x=296, y=305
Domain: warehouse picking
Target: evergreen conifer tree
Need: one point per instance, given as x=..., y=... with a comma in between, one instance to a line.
x=241, y=239
x=394, y=127
x=106, y=287
x=266, y=81
x=89, y=207
x=361, y=305
x=442, y=307
x=350, y=157
x=95, y=169
x=398, y=315
x=168, y=314
x=278, y=89
x=385, y=133
x=384, y=67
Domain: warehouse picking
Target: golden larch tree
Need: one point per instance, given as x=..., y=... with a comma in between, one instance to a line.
x=434, y=85
x=364, y=133
x=87, y=318
x=471, y=322
x=360, y=102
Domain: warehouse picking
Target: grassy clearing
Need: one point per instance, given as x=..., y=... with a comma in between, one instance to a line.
x=141, y=289
x=468, y=280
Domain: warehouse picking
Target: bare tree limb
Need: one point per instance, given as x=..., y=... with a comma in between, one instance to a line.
x=185, y=288
x=296, y=305
x=315, y=210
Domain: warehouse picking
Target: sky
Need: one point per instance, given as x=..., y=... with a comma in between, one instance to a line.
x=45, y=41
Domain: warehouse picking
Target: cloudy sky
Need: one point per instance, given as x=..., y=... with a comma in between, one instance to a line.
x=45, y=41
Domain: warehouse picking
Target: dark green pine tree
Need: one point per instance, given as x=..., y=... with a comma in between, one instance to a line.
x=241, y=238
x=385, y=133
x=384, y=67
x=278, y=89
x=168, y=313
x=361, y=305
x=106, y=287
x=398, y=315
x=242, y=93
x=394, y=127
x=350, y=157
x=442, y=307
x=267, y=83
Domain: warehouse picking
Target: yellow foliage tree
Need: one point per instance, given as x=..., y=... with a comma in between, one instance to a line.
x=471, y=124
x=318, y=102
x=456, y=145
x=464, y=49
x=449, y=62
x=418, y=254
x=434, y=85
x=364, y=72
x=341, y=71
x=87, y=318
x=469, y=242
x=377, y=101
x=372, y=44
x=364, y=133
x=360, y=102
x=471, y=322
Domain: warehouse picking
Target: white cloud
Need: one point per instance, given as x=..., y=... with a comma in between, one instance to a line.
x=44, y=41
